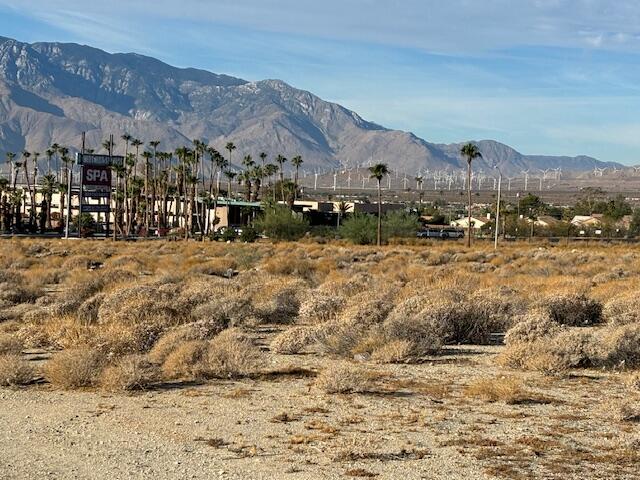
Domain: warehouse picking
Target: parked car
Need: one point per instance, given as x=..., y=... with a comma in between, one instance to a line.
x=443, y=232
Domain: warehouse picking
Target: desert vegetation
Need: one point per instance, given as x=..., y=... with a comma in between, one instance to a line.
x=428, y=339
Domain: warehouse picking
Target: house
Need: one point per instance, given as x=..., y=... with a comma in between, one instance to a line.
x=594, y=220
x=546, y=221
x=476, y=223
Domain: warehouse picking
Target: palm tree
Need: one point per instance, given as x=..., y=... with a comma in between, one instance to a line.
x=230, y=176
x=470, y=151
x=136, y=143
x=296, y=162
x=270, y=170
x=32, y=195
x=49, y=153
x=48, y=188
x=378, y=171
x=154, y=185
x=281, y=161
x=56, y=149
x=263, y=158
x=10, y=157
x=147, y=163
x=230, y=148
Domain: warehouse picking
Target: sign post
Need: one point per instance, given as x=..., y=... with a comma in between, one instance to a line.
x=95, y=184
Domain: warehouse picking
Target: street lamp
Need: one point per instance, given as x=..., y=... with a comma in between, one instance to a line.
x=495, y=240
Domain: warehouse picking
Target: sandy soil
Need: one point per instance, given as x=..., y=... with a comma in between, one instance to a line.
x=416, y=424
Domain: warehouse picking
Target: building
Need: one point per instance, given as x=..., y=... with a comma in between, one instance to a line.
x=476, y=223
x=587, y=221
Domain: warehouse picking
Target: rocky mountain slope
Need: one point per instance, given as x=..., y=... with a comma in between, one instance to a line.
x=51, y=92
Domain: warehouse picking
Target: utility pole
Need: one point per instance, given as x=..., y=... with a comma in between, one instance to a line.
x=495, y=240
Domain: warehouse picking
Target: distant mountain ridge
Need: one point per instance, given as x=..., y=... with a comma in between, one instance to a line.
x=51, y=92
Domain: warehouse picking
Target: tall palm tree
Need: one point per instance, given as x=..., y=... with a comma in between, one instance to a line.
x=137, y=143
x=49, y=153
x=470, y=152
x=10, y=157
x=32, y=195
x=230, y=176
x=281, y=161
x=230, y=146
x=147, y=156
x=379, y=171
x=48, y=188
x=154, y=183
x=270, y=170
x=263, y=158
x=296, y=162
x=56, y=149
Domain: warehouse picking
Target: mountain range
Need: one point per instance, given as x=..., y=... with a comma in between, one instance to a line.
x=52, y=92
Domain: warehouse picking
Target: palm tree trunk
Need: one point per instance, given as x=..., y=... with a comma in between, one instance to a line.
x=469, y=204
x=379, y=233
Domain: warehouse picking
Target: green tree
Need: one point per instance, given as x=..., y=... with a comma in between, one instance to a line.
x=359, y=228
x=280, y=223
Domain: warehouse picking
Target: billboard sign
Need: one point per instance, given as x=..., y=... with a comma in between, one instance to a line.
x=104, y=160
x=96, y=175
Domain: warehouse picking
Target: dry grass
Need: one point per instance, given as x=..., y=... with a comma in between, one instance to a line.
x=75, y=368
x=345, y=378
x=14, y=370
x=509, y=390
x=9, y=344
x=131, y=372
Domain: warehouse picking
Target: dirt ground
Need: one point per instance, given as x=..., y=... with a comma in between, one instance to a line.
x=417, y=423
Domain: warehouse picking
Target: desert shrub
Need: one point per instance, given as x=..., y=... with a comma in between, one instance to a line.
x=624, y=410
x=364, y=310
x=9, y=344
x=394, y=351
x=14, y=370
x=204, y=329
x=319, y=307
x=504, y=389
x=220, y=267
x=75, y=368
x=186, y=361
x=575, y=310
x=87, y=312
x=533, y=326
x=620, y=347
x=293, y=340
x=344, y=378
x=132, y=372
x=359, y=228
x=622, y=309
x=280, y=223
x=339, y=338
x=15, y=293
x=131, y=305
x=123, y=338
x=278, y=301
x=249, y=234
x=424, y=332
x=231, y=354
x=289, y=265
x=552, y=355
x=232, y=310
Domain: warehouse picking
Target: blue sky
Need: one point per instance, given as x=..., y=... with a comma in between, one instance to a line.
x=544, y=76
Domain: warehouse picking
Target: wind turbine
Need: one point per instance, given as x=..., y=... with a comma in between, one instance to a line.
x=526, y=178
